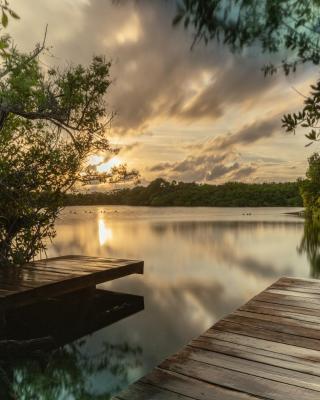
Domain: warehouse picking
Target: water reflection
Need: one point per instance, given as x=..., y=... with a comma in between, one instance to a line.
x=105, y=233
x=64, y=363
x=200, y=264
x=310, y=245
x=70, y=373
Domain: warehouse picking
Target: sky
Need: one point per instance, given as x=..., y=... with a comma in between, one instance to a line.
x=201, y=114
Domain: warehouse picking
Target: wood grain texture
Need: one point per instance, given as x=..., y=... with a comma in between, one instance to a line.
x=267, y=349
x=56, y=276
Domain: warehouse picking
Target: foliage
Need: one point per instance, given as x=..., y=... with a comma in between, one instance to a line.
x=308, y=117
x=51, y=120
x=163, y=193
x=6, y=12
x=290, y=27
x=34, y=173
x=310, y=187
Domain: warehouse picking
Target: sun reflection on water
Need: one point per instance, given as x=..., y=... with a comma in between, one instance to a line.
x=105, y=233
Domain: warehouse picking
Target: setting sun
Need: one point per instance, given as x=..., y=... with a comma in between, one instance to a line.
x=113, y=162
x=96, y=159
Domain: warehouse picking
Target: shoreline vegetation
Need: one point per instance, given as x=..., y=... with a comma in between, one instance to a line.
x=161, y=193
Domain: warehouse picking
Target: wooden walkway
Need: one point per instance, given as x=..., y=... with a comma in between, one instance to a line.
x=53, y=277
x=267, y=349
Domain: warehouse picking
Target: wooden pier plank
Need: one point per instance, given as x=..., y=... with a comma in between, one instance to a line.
x=240, y=381
x=186, y=384
x=281, y=349
x=259, y=368
x=267, y=349
x=55, y=276
x=303, y=314
x=144, y=389
x=258, y=355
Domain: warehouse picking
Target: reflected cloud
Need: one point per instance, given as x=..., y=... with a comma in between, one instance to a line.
x=198, y=306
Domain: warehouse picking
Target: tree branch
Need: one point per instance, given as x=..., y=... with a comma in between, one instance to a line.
x=35, y=54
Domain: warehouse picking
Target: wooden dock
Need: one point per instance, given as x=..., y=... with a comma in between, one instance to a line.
x=52, y=277
x=267, y=349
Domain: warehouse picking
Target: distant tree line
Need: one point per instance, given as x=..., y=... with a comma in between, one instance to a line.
x=163, y=193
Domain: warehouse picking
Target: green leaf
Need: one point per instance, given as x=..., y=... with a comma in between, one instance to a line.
x=4, y=19
x=13, y=14
x=177, y=19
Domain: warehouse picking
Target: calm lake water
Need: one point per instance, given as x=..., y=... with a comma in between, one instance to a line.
x=200, y=264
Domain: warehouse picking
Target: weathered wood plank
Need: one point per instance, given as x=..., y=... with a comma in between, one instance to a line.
x=296, y=288
x=53, y=277
x=250, y=367
x=268, y=349
x=240, y=381
x=189, y=385
x=294, y=293
x=282, y=350
x=287, y=300
x=283, y=318
x=142, y=391
x=254, y=354
x=257, y=332
x=278, y=309
x=298, y=281
x=268, y=322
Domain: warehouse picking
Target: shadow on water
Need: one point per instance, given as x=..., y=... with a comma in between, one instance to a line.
x=310, y=245
x=61, y=364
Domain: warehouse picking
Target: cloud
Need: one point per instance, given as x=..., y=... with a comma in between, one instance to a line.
x=203, y=167
x=197, y=161
x=127, y=148
x=247, y=134
x=228, y=86
x=158, y=81
x=155, y=74
x=251, y=133
x=244, y=172
x=220, y=158
x=221, y=170
x=160, y=167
